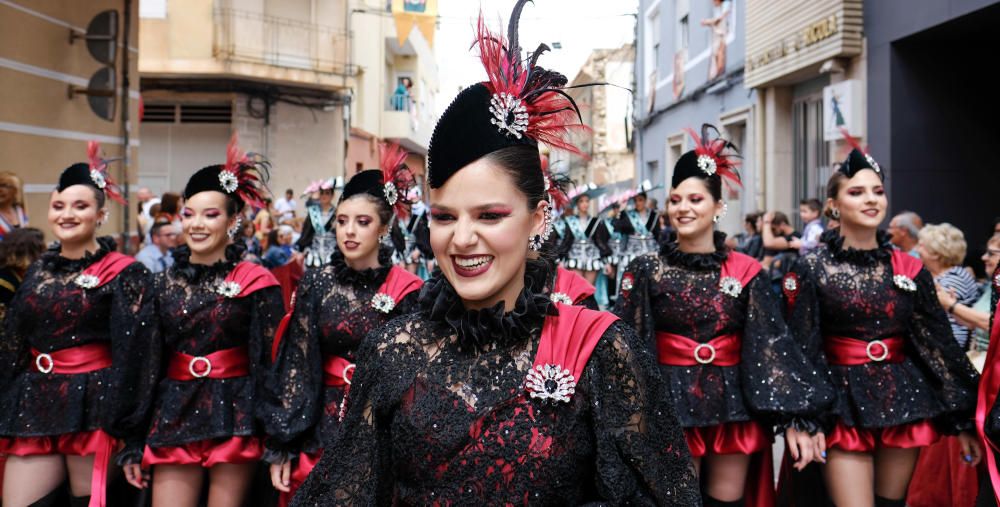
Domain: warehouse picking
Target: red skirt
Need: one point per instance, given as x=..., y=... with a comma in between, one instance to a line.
x=300, y=470
x=745, y=437
x=206, y=453
x=83, y=443
x=904, y=436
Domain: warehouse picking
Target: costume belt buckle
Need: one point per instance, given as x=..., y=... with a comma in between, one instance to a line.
x=47, y=367
x=697, y=356
x=348, y=368
x=873, y=357
x=196, y=360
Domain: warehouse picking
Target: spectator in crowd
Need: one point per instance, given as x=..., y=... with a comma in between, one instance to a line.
x=156, y=255
x=12, y=215
x=750, y=241
x=781, y=246
x=942, y=249
x=905, y=230
x=279, y=250
x=18, y=250
x=264, y=221
x=976, y=316
x=401, y=96
x=145, y=199
x=170, y=209
x=285, y=207
x=249, y=239
x=810, y=211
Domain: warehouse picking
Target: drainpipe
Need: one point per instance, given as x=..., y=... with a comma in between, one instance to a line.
x=126, y=124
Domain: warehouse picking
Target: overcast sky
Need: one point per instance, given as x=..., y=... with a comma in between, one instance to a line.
x=579, y=25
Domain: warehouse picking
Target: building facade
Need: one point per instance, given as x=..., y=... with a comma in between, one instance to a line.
x=690, y=71
x=932, y=112
x=608, y=111
x=45, y=122
x=300, y=81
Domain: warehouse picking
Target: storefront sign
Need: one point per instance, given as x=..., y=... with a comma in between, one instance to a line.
x=804, y=38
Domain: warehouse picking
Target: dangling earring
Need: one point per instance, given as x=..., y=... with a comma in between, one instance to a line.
x=835, y=213
x=235, y=229
x=720, y=216
x=535, y=243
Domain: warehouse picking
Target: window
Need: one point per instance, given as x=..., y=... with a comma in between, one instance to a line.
x=683, y=25
x=652, y=50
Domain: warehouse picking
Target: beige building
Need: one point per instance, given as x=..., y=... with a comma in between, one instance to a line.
x=44, y=129
x=608, y=111
x=303, y=82
x=806, y=60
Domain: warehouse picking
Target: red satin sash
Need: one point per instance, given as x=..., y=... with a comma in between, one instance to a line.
x=574, y=286
x=677, y=350
x=337, y=371
x=400, y=282
x=846, y=351
x=905, y=264
x=989, y=385
x=73, y=360
x=251, y=278
x=227, y=363
x=108, y=267
x=568, y=339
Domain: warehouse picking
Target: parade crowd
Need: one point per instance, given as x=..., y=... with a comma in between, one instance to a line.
x=490, y=337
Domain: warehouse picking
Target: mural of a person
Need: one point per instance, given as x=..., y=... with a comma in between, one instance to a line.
x=719, y=24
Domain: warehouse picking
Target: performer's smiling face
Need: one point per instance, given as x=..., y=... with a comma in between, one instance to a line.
x=861, y=201
x=480, y=226
x=358, y=230
x=692, y=208
x=74, y=214
x=206, y=222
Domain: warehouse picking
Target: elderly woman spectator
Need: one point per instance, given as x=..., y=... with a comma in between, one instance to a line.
x=977, y=315
x=942, y=249
x=12, y=215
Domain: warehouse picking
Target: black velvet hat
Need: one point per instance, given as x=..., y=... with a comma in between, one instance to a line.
x=390, y=183
x=858, y=158
x=243, y=177
x=712, y=157
x=521, y=103
x=94, y=174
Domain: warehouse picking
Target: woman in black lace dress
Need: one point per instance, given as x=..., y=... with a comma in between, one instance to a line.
x=336, y=307
x=213, y=319
x=64, y=373
x=869, y=316
x=491, y=394
x=732, y=368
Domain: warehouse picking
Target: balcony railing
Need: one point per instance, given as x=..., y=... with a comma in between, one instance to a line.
x=244, y=36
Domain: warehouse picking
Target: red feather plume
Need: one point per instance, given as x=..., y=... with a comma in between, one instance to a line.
x=392, y=161
x=552, y=114
x=720, y=151
x=111, y=189
x=251, y=173
x=853, y=141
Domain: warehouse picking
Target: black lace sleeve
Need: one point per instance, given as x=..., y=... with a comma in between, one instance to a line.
x=128, y=334
x=145, y=358
x=356, y=467
x=422, y=233
x=803, y=319
x=950, y=372
x=633, y=305
x=642, y=456
x=602, y=239
x=623, y=224
x=396, y=235
x=268, y=307
x=13, y=354
x=306, y=237
x=779, y=380
x=291, y=404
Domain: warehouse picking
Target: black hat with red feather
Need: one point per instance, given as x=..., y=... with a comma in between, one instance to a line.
x=520, y=104
x=243, y=178
x=858, y=158
x=712, y=158
x=94, y=173
x=391, y=182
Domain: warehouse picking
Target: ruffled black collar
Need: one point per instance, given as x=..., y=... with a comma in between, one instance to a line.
x=835, y=244
x=491, y=328
x=670, y=251
x=54, y=261
x=365, y=278
x=191, y=272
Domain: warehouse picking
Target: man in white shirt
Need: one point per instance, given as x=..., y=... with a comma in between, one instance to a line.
x=156, y=255
x=286, y=207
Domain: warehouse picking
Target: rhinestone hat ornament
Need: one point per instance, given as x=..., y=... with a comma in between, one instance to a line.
x=550, y=382
x=707, y=164
x=904, y=282
x=390, y=193
x=857, y=158
x=383, y=302
x=731, y=286
x=397, y=179
x=98, y=179
x=87, y=281
x=509, y=114
x=559, y=297
x=99, y=173
x=228, y=181
x=228, y=289
x=873, y=163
